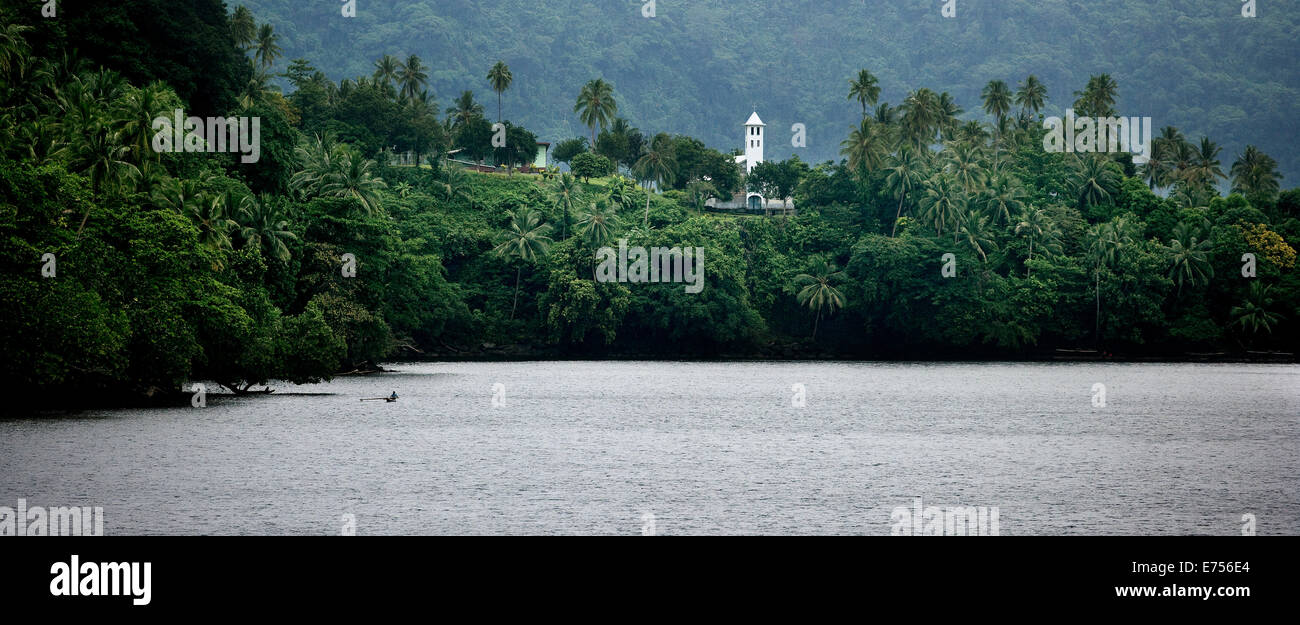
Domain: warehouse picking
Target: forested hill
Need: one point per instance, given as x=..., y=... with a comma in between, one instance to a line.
x=699, y=66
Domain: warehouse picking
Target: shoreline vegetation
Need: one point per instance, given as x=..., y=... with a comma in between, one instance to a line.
x=377, y=225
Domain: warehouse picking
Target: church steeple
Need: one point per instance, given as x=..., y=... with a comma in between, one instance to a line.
x=753, y=141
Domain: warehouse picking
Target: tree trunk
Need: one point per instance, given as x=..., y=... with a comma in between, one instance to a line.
x=518, y=273
x=1028, y=270
x=898, y=213
x=1097, y=323
x=647, y=206
x=817, y=323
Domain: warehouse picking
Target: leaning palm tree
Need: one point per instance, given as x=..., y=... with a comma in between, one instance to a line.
x=865, y=89
x=973, y=233
x=596, y=105
x=500, y=78
x=524, y=239
x=817, y=291
x=268, y=46
x=905, y=176
x=412, y=77
x=657, y=166
x=1189, y=255
x=1253, y=314
x=566, y=190
x=387, y=69
x=1255, y=173
x=865, y=148
x=1031, y=95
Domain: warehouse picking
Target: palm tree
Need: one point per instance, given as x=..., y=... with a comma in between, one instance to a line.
x=596, y=105
x=1003, y=199
x=657, y=166
x=14, y=50
x=885, y=114
x=139, y=108
x=943, y=204
x=524, y=239
x=566, y=191
x=354, y=177
x=817, y=292
x=455, y=182
x=268, y=47
x=921, y=117
x=213, y=220
x=1253, y=314
x=620, y=192
x=500, y=78
x=997, y=99
x=258, y=88
x=102, y=158
x=412, y=77
x=965, y=163
x=465, y=109
x=974, y=234
x=1105, y=241
x=1098, y=98
x=1205, y=167
x=403, y=189
x=387, y=69
x=1039, y=229
x=264, y=226
x=948, y=113
x=598, y=222
x=243, y=28
x=1255, y=173
x=864, y=148
x=903, y=177
x=1189, y=260
x=1031, y=94
x=1094, y=180
x=865, y=89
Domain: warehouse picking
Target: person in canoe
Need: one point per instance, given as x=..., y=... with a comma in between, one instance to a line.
x=393, y=397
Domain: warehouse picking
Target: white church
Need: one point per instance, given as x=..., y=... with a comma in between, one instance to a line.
x=750, y=200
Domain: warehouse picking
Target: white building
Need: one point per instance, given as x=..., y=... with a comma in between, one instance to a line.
x=754, y=137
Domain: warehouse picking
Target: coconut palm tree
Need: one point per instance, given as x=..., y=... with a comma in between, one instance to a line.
x=263, y=225
x=566, y=190
x=387, y=69
x=465, y=109
x=523, y=239
x=973, y=233
x=1205, y=167
x=454, y=182
x=965, y=161
x=921, y=117
x=354, y=177
x=943, y=203
x=596, y=105
x=657, y=166
x=101, y=157
x=597, y=223
x=817, y=290
x=1003, y=199
x=906, y=175
x=865, y=89
x=412, y=76
x=1105, y=243
x=997, y=99
x=1098, y=98
x=1031, y=94
x=1038, y=229
x=1094, y=179
x=135, y=118
x=243, y=28
x=1189, y=255
x=1253, y=314
x=213, y=220
x=267, y=47
x=500, y=78
x=865, y=148
x=1255, y=173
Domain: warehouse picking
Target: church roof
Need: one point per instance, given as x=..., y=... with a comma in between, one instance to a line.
x=754, y=120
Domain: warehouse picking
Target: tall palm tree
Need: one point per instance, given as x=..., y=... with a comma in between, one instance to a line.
x=1105, y=242
x=922, y=117
x=524, y=239
x=817, y=290
x=1003, y=199
x=973, y=233
x=1189, y=256
x=1038, y=229
x=1098, y=98
x=268, y=46
x=242, y=27
x=965, y=161
x=1205, y=167
x=906, y=175
x=1031, y=94
x=596, y=105
x=566, y=190
x=865, y=89
x=387, y=69
x=657, y=166
x=135, y=118
x=865, y=148
x=1255, y=173
x=500, y=78
x=412, y=77
x=102, y=158
x=997, y=99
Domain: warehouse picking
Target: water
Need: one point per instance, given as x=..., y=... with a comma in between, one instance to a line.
x=593, y=447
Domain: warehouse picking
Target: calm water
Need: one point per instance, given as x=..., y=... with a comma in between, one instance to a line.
x=591, y=447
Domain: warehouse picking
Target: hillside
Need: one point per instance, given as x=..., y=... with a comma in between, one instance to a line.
x=699, y=67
